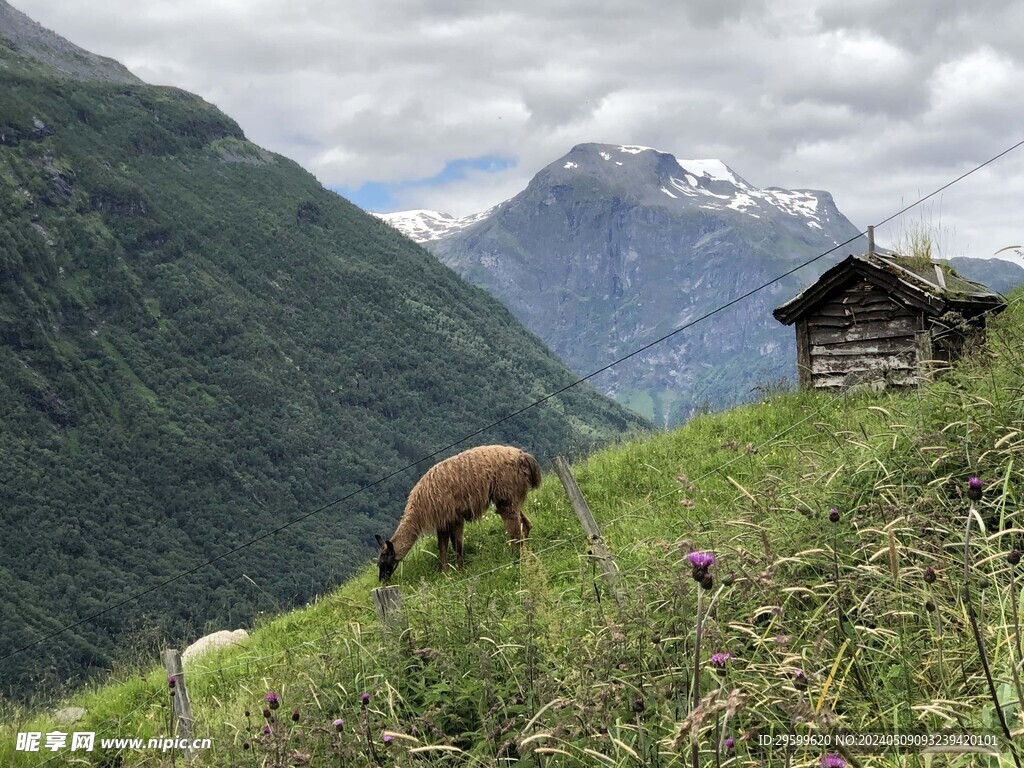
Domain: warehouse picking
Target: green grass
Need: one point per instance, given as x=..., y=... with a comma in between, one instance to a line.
x=527, y=660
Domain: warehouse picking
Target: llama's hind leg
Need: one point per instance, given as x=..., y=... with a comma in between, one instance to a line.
x=455, y=534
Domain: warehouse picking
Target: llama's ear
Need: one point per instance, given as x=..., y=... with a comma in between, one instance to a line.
x=380, y=541
x=391, y=547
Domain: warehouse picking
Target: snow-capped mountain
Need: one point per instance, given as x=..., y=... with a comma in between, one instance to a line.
x=613, y=246
x=707, y=184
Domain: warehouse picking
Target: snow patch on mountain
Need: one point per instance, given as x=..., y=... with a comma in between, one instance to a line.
x=425, y=226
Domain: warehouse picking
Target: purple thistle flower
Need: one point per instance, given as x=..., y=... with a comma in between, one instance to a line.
x=730, y=744
x=1013, y=557
x=171, y=682
x=388, y=738
x=338, y=724
x=719, y=660
x=800, y=680
x=365, y=699
x=701, y=561
x=273, y=700
x=295, y=715
x=266, y=730
x=833, y=515
x=831, y=760
x=929, y=575
x=974, y=486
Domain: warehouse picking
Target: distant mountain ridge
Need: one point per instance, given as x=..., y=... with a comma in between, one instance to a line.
x=612, y=246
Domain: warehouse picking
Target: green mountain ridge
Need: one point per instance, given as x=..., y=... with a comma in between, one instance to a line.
x=200, y=344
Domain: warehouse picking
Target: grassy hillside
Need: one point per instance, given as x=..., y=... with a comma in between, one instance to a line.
x=854, y=622
x=198, y=344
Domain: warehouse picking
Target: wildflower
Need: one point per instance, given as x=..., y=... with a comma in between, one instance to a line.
x=701, y=561
x=707, y=581
x=831, y=760
x=295, y=715
x=929, y=606
x=246, y=745
x=365, y=699
x=833, y=515
x=730, y=744
x=800, y=680
x=338, y=724
x=1013, y=557
x=656, y=638
x=388, y=738
x=171, y=682
x=266, y=730
x=638, y=705
x=719, y=660
x=266, y=713
x=974, y=486
x=729, y=578
x=929, y=575
x=273, y=700
x=248, y=714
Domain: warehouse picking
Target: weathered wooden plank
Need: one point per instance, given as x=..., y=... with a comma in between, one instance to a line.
x=866, y=347
x=897, y=328
x=861, y=364
x=598, y=549
x=837, y=381
x=862, y=316
x=388, y=603
x=181, y=703
x=803, y=353
x=925, y=360
x=843, y=310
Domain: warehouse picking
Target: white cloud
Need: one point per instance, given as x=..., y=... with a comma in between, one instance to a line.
x=873, y=101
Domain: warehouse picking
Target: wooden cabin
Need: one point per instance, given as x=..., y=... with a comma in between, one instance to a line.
x=885, y=320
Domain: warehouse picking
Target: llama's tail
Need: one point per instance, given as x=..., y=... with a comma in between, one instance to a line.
x=534, y=470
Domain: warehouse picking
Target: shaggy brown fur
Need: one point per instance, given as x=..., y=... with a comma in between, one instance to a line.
x=459, y=490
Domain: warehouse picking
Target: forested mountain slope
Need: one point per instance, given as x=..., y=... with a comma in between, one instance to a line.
x=198, y=344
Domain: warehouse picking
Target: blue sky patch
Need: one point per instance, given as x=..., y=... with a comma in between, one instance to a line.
x=383, y=197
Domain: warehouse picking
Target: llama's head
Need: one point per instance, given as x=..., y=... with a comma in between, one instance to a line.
x=387, y=561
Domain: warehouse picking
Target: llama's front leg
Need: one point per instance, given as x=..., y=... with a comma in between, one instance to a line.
x=442, y=549
x=527, y=525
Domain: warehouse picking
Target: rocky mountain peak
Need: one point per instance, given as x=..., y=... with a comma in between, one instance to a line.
x=29, y=38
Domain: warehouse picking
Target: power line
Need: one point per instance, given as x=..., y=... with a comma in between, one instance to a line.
x=249, y=662
x=502, y=420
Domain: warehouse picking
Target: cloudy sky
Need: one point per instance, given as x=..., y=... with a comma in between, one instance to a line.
x=455, y=105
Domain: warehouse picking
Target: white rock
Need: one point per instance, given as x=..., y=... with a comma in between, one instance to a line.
x=214, y=640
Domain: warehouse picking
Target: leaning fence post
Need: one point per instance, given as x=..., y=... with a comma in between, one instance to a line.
x=599, y=550
x=388, y=603
x=182, y=706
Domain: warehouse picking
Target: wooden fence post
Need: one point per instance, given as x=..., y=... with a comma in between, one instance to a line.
x=598, y=549
x=182, y=706
x=388, y=603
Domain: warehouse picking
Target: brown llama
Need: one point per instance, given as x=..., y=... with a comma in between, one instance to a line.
x=459, y=490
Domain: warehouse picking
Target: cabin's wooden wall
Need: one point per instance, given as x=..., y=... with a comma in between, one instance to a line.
x=860, y=334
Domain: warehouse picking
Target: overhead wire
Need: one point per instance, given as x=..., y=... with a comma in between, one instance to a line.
x=497, y=422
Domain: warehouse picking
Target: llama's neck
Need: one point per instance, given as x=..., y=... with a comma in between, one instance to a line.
x=405, y=536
